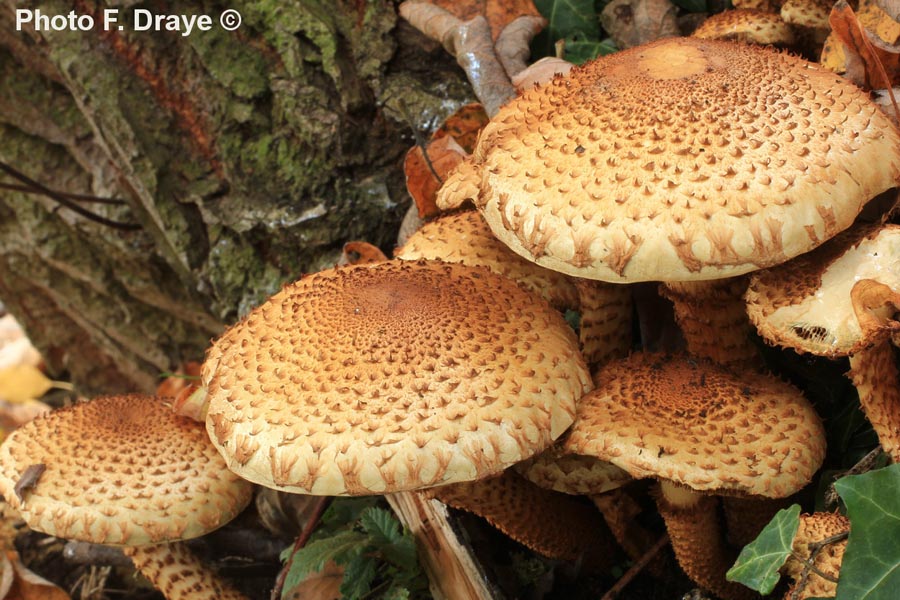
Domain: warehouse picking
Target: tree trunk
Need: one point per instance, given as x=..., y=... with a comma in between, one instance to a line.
x=247, y=158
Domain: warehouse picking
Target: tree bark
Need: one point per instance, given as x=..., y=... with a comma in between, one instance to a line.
x=247, y=158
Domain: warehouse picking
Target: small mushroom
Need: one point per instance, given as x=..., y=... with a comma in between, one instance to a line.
x=842, y=300
x=699, y=429
x=748, y=26
x=127, y=471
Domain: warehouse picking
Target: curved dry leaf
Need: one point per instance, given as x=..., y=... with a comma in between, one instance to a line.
x=464, y=125
x=422, y=179
x=513, y=44
x=499, y=13
x=361, y=253
x=27, y=585
x=635, y=22
x=868, y=62
x=541, y=72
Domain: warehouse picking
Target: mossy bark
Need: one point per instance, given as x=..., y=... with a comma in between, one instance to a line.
x=247, y=158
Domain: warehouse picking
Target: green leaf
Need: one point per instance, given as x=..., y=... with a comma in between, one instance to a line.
x=358, y=576
x=312, y=557
x=402, y=554
x=759, y=561
x=381, y=525
x=565, y=18
x=871, y=566
x=580, y=51
x=396, y=592
x=346, y=511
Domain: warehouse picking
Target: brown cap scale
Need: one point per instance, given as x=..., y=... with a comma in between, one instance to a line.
x=464, y=237
x=698, y=427
x=121, y=470
x=745, y=158
x=842, y=300
x=813, y=529
x=395, y=376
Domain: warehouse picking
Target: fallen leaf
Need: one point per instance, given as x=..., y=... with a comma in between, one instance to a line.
x=869, y=61
x=23, y=382
x=324, y=585
x=499, y=13
x=541, y=72
x=422, y=180
x=185, y=376
x=28, y=479
x=464, y=126
x=27, y=585
x=635, y=22
x=361, y=253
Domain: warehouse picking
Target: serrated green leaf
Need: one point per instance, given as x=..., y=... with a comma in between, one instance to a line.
x=871, y=566
x=382, y=525
x=759, y=561
x=358, y=576
x=402, y=554
x=565, y=18
x=346, y=511
x=311, y=558
x=396, y=592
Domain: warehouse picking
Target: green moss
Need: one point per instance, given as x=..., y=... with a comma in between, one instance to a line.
x=238, y=278
x=236, y=66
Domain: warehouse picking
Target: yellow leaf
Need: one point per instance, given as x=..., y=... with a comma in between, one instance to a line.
x=24, y=382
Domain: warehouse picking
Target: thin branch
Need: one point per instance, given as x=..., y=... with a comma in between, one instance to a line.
x=808, y=564
x=636, y=568
x=76, y=197
x=63, y=201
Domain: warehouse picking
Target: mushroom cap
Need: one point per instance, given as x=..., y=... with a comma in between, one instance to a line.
x=696, y=424
x=748, y=26
x=401, y=375
x=745, y=158
x=815, y=528
x=464, y=237
x=809, y=304
x=572, y=473
x=807, y=13
x=121, y=470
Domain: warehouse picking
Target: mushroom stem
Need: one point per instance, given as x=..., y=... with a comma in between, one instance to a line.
x=713, y=319
x=874, y=372
x=692, y=520
x=746, y=516
x=552, y=524
x=179, y=574
x=620, y=512
x=605, y=330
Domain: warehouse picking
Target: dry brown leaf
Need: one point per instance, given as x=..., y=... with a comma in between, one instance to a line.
x=464, y=126
x=361, y=253
x=25, y=584
x=541, y=72
x=324, y=585
x=184, y=377
x=635, y=22
x=423, y=181
x=868, y=62
x=16, y=414
x=499, y=13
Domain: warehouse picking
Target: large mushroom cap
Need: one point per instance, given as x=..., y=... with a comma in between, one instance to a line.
x=120, y=470
x=392, y=376
x=699, y=425
x=816, y=302
x=684, y=159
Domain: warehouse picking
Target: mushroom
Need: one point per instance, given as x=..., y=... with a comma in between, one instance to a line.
x=842, y=300
x=746, y=158
x=748, y=26
x=699, y=429
x=813, y=530
x=394, y=376
x=605, y=309
x=126, y=471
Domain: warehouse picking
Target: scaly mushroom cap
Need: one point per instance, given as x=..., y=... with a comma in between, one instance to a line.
x=465, y=238
x=745, y=158
x=807, y=13
x=394, y=376
x=572, y=473
x=121, y=470
x=815, y=528
x=748, y=26
x=824, y=302
x=696, y=424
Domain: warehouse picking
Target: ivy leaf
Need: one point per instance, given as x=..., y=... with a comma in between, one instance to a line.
x=871, y=566
x=580, y=51
x=565, y=18
x=759, y=561
x=358, y=576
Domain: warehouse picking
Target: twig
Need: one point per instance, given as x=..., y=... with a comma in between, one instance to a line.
x=808, y=567
x=864, y=465
x=77, y=197
x=304, y=536
x=636, y=568
x=63, y=201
